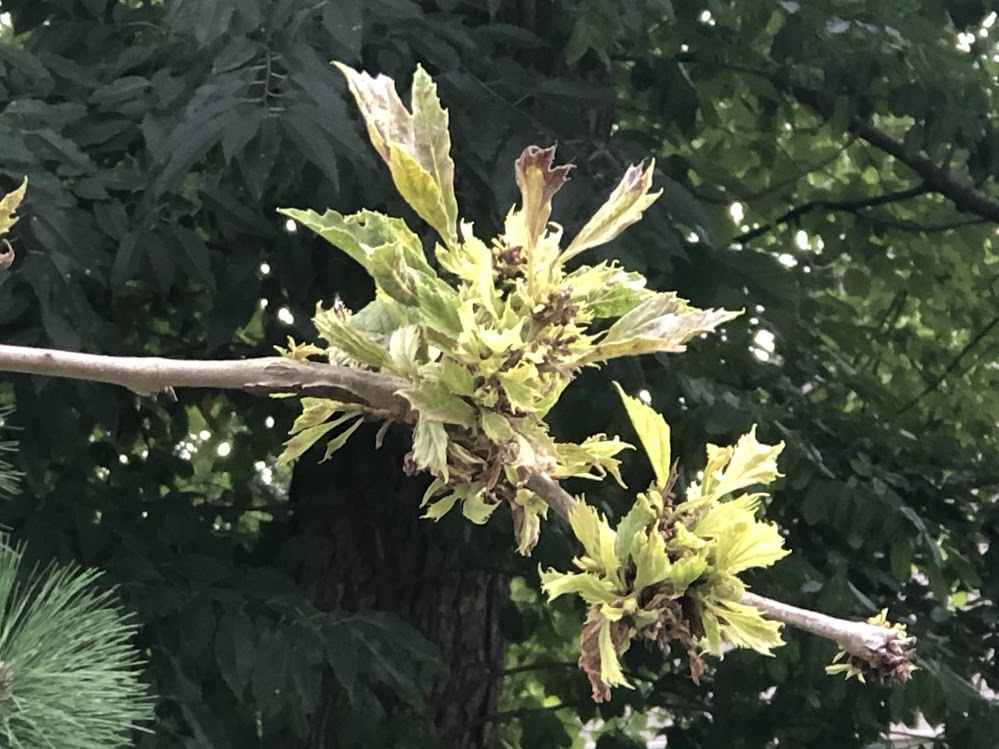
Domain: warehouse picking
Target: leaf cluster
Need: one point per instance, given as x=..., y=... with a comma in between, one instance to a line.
x=670, y=570
x=488, y=334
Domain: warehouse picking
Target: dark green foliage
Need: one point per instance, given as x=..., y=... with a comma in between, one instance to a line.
x=159, y=138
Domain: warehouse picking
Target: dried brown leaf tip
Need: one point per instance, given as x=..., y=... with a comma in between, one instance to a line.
x=538, y=181
x=891, y=663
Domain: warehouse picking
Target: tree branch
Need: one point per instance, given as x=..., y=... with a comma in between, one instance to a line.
x=852, y=206
x=262, y=376
x=270, y=375
x=938, y=380
x=937, y=179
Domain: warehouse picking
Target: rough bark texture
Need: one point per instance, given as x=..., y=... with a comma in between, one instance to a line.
x=367, y=549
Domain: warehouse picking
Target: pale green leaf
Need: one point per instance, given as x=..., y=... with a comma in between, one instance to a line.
x=623, y=208
x=496, y=427
x=341, y=439
x=351, y=234
x=404, y=347
x=610, y=667
x=744, y=626
x=302, y=441
x=415, y=146
x=606, y=291
x=456, y=377
x=477, y=509
x=357, y=344
x=520, y=394
x=663, y=323
x=438, y=308
x=652, y=565
x=751, y=544
x=751, y=463
x=435, y=486
x=686, y=571
x=442, y=506
x=638, y=518
x=591, y=529
x=654, y=433
x=591, y=587
x=434, y=401
x=430, y=447
x=314, y=412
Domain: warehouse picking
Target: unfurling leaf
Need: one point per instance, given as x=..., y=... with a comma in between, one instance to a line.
x=729, y=469
x=416, y=146
x=663, y=323
x=623, y=208
x=435, y=402
x=538, y=182
x=596, y=536
x=430, y=447
x=353, y=342
x=740, y=625
x=654, y=433
x=9, y=204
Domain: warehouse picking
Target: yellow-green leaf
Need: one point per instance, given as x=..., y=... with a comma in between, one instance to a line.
x=638, y=518
x=9, y=204
x=590, y=587
x=476, y=508
x=496, y=427
x=430, y=447
x=745, y=627
x=341, y=439
x=302, y=441
x=415, y=145
x=435, y=402
x=623, y=208
x=610, y=667
x=752, y=544
x=751, y=463
x=652, y=564
x=654, y=433
x=591, y=529
x=314, y=412
x=662, y=323
x=353, y=342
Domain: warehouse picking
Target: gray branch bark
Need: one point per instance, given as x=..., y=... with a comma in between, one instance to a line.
x=270, y=375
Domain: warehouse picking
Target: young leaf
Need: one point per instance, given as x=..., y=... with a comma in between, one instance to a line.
x=341, y=439
x=434, y=401
x=623, y=208
x=662, y=323
x=538, y=182
x=430, y=447
x=353, y=342
x=302, y=441
x=9, y=204
x=591, y=587
x=416, y=146
x=596, y=536
x=654, y=433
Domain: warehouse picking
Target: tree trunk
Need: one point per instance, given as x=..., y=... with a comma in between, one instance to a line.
x=366, y=548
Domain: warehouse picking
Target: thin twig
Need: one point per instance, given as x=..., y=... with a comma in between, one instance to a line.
x=851, y=206
x=938, y=380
